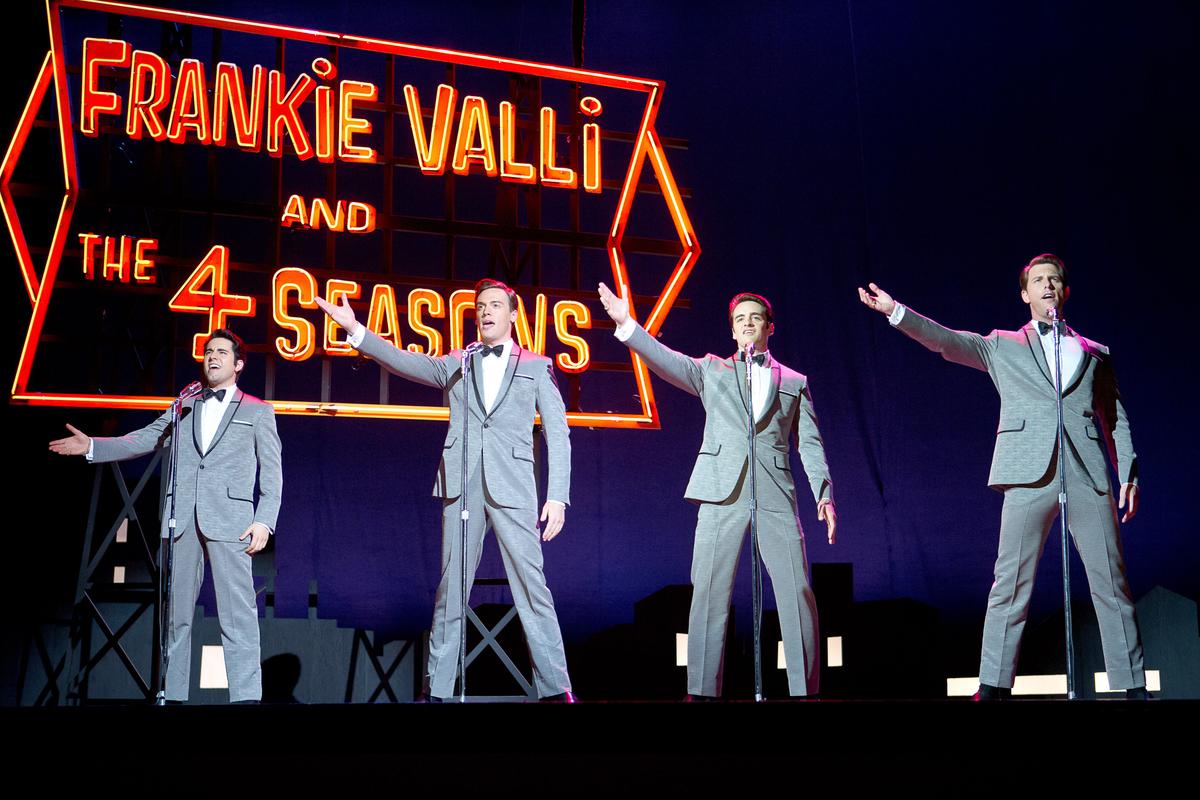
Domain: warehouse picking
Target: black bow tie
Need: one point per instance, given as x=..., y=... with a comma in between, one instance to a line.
x=1046, y=327
x=217, y=393
x=495, y=350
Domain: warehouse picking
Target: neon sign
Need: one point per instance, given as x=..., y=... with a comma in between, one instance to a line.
x=319, y=115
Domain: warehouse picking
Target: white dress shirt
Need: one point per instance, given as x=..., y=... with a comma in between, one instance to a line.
x=211, y=412
x=493, y=369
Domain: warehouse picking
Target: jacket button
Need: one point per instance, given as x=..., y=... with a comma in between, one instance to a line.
x=487, y=424
x=201, y=466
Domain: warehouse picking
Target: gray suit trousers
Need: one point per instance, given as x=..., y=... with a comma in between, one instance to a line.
x=720, y=531
x=521, y=549
x=1028, y=515
x=237, y=613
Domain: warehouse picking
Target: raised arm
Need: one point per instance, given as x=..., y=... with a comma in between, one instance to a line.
x=961, y=347
x=416, y=367
x=682, y=371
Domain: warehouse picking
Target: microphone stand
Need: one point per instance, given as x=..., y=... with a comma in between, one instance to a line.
x=464, y=517
x=166, y=559
x=756, y=569
x=1062, y=504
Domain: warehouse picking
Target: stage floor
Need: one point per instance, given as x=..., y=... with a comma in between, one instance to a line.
x=659, y=747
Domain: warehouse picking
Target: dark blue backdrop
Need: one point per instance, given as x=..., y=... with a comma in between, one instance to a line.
x=932, y=147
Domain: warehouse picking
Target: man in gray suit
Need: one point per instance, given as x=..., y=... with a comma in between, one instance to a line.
x=507, y=385
x=782, y=406
x=1025, y=467
x=227, y=441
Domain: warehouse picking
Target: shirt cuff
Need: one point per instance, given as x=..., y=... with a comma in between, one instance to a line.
x=560, y=502
x=91, y=453
x=356, y=338
x=625, y=330
x=896, y=315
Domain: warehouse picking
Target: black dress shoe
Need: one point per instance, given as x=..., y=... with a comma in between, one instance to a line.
x=244, y=703
x=1138, y=693
x=565, y=697
x=428, y=698
x=700, y=698
x=987, y=694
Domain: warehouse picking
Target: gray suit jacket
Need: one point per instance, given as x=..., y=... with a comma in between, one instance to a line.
x=1094, y=416
x=503, y=438
x=218, y=486
x=720, y=383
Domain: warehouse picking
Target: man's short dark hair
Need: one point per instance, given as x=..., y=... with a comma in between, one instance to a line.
x=490, y=283
x=742, y=297
x=239, y=346
x=1044, y=258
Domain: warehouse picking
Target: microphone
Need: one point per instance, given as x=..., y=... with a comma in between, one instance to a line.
x=473, y=347
x=191, y=390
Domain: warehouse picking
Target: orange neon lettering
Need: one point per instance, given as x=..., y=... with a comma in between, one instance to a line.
x=229, y=100
x=98, y=53
x=335, y=290
x=431, y=301
x=283, y=111
x=190, y=109
x=360, y=217
x=294, y=213
x=474, y=118
x=143, y=265
x=350, y=126
x=564, y=312
x=149, y=93
x=592, y=182
x=431, y=152
x=300, y=281
x=535, y=340
x=511, y=169
x=117, y=263
x=216, y=301
x=553, y=175
x=334, y=218
x=383, y=318
x=89, y=240
x=324, y=126
x=461, y=301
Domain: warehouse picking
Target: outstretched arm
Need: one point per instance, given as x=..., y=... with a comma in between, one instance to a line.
x=961, y=347
x=416, y=367
x=677, y=369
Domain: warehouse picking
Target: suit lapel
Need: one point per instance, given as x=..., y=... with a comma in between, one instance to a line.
x=1083, y=363
x=478, y=409
x=225, y=420
x=514, y=355
x=772, y=388
x=1039, y=355
x=740, y=365
x=197, y=410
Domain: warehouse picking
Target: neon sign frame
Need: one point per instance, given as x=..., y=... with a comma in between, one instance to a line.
x=648, y=147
